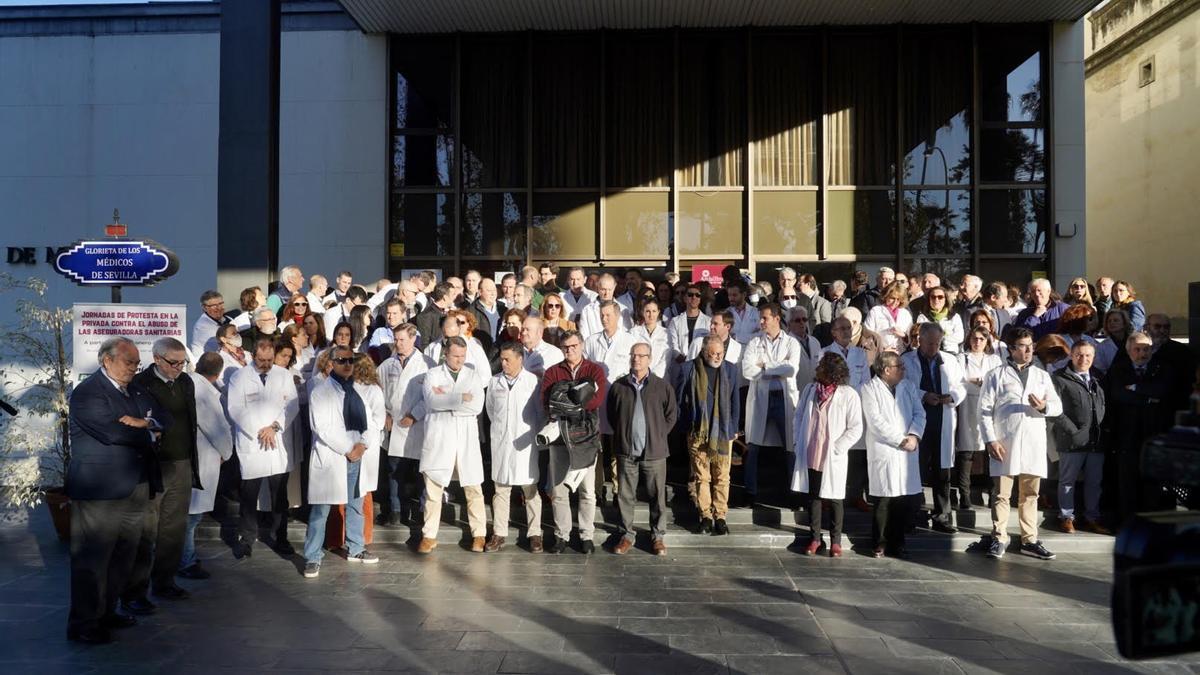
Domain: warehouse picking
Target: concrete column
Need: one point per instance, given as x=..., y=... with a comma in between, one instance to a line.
x=248, y=147
x=1067, y=152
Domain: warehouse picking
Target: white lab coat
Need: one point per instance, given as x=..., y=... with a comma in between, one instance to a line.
x=231, y=366
x=952, y=385
x=856, y=361
x=401, y=397
x=253, y=405
x=476, y=358
x=974, y=367
x=808, y=361
x=614, y=359
x=452, y=427
x=316, y=304
x=214, y=442
x=589, y=319
x=332, y=441
x=516, y=417
x=1006, y=416
x=845, y=428
x=678, y=343
x=892, y=472
x=204, y=336
x=745, y=324
x=658, y=347
x=574, y=307
x=780, y=358
x=880, y=320
x=952, y=331
x=543, y=356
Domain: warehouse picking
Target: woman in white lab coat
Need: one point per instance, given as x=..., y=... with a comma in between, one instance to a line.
x=828, y=423
x=895, y=422
x=937, y=310
x=890, y=319
x=977, y=360
x=344, y=465
x=652, y=332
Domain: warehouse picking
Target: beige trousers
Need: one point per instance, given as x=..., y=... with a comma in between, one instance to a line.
x=709, y=484
x=1027, y=513
x=476, y=512
x=500, y=509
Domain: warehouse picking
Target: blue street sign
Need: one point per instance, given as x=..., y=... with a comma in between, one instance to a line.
x=116, y=263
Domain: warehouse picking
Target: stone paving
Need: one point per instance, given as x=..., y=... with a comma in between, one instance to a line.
x=698, y=610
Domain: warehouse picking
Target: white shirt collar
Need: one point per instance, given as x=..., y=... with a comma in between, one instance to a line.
x=113, y=382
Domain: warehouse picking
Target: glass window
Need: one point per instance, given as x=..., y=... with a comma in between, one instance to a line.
x=1013, y=156
x=493, y=112
x=493, y=224
x=1010, y=64
x=949, y=270
x=710, y=223
x=785, y=223
x=424, y=70
x=1013, y=221
x=825, y=272
x=862, y=109
x=423, y=224
x=563, y=225
x=861, y=222
x=637, y=225
x=422, y=160
x=566, y=111
x=787, y=107
x=639, y=104
x=937, y=221
x=712, y=109
x=937, y=107
x=1017, y=271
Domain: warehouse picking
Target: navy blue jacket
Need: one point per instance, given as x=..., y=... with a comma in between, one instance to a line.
x=108, y=458
x=689, y=407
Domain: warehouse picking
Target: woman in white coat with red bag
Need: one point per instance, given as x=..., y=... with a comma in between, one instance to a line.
x=347, y=417
x=828, y=423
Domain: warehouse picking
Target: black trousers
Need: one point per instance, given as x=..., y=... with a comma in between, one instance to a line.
x=248, y=505
x=652, y=474
x=1136, y=493
x=933, y=475
x=814, y=510
x=856, y=474
x=163, y=528
x=890, y=521
x=962, y=477
x=104, y=542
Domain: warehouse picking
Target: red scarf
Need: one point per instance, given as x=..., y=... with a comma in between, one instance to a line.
x=824, y=391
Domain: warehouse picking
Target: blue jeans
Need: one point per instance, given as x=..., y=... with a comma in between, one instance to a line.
x=776, y=416
x=188, y=557
x=1070, y=466
x=314, y=536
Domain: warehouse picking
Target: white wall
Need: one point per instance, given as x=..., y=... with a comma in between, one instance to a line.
x=131, y=121
x=1067, y=153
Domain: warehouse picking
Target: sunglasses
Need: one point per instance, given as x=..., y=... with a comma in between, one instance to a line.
x=345, y=361
x=460, y=322
x=553, y=306
x=937, y=297
x=693, y=295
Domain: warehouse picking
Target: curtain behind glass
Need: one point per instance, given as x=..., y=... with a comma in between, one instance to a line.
x=638, y=114
x=787, y=95
x=493, y=112
x=712, y=110
x=566, y=111
x=862, y=109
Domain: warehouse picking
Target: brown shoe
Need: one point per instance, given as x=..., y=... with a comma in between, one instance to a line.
x=659, y=547
x=1096, y=528
x=622, y=547
x=535, y=544
x=1067, y=525
x=494, y=543
x=426, y=546
x=477, y=545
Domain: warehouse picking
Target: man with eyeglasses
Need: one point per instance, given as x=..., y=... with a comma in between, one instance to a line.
x=266, y=324
x=204, y=331
x=1015, y=401
x=165, y=523
x=810, y=348
x=682, y=331
x=788, y=294
x=1103, y=300
x=610, y=349
x=820, y=312
x=291, y=280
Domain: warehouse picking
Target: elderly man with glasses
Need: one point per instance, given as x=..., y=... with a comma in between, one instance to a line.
x=212, y=317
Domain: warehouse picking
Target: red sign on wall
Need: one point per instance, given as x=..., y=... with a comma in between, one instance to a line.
x=709, y=273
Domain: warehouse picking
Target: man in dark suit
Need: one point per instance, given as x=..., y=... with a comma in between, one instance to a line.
x=112, y=475
x=429, y=321
x=165, y=523
x=1137, y=388
x=1176, y=360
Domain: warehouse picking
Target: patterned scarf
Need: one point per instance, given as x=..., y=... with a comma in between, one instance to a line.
x=702, y=423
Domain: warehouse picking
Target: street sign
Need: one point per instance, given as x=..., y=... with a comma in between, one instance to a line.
x=110, y=263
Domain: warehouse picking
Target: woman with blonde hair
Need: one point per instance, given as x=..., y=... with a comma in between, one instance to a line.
x=978, y=358
x=890, y=319
x=1079, y=293
x=554, y=316
x=937, y=310
x=984, y=318
x=1117, y=329
x=1125, y=298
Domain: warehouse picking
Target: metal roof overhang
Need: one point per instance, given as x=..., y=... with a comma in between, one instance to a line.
x=448, y=16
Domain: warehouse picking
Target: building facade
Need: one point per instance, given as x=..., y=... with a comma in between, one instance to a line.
x=1143, y=154
x=937, y=136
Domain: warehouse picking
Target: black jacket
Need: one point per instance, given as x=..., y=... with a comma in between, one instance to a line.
x=146, y=380
x=1180, y=365
x=1135, y=414
x=429, y=324
x=865, y=300
x=482, y=333
x=1077, y=429
x=658, y=403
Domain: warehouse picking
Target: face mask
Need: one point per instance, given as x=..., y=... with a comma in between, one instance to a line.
x=754, y=298
x=236, y=341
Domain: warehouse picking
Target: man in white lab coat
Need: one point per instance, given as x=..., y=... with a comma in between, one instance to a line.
x=1014, y=402
x=514, y=406
x=214, y=446
x=453, y=398
x=682, y=330
x=204, y=331
x=610, y=348
x=589, y=322
x=769, y=365
x=401, y=376
x=538, y=355
x=577, y=297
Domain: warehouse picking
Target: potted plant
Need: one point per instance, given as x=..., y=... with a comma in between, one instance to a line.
x=35, y=432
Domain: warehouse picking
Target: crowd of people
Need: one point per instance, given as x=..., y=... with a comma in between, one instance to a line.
x=300, y=400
